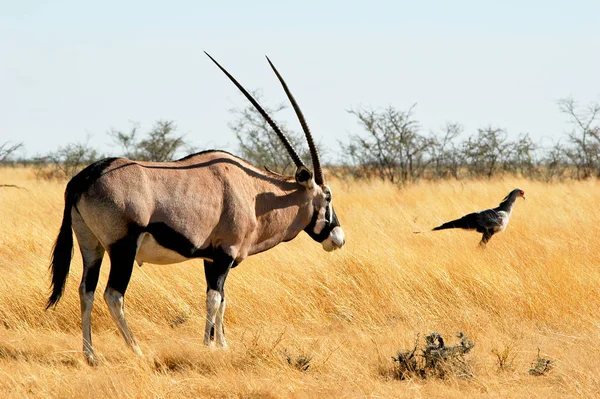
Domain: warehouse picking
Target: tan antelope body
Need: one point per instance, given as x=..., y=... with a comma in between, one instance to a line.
x=211, y=205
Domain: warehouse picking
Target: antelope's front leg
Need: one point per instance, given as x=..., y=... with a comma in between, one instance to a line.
x=219, y=327
x=216, y=273
x=213, y=302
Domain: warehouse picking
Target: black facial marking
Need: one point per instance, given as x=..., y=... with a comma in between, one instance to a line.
x=331, y=222
x=334, y=220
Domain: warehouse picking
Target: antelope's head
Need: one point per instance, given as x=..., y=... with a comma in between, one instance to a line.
x=324, y=226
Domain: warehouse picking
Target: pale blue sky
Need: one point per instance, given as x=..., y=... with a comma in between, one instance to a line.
x=70, y=68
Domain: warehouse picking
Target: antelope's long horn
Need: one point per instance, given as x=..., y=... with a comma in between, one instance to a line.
x=282, y=137
x=314, y=153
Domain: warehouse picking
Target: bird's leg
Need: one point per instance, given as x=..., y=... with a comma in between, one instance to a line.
x=486, y=237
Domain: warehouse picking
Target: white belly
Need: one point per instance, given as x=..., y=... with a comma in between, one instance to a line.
x=152, y=252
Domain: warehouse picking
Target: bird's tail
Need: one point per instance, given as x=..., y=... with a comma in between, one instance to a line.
x=466, y=222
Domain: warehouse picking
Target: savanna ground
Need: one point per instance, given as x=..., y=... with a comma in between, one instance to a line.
x=536, y=286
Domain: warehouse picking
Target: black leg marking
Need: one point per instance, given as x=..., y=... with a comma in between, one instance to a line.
x=92, y=260
x=216, y=273
x=91, y=277
x=212, y=332
x=122, y=256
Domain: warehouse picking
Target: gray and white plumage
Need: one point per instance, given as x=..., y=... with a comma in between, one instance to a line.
x=489, y=221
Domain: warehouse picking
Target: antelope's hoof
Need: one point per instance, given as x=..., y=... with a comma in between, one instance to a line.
x=209, y=343
x=223, y=346
x=91, y=359
x=137, y=350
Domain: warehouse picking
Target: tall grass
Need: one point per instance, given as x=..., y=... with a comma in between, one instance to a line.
x=536, y=286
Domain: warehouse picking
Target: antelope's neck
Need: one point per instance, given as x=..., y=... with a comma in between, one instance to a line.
x=280, y=217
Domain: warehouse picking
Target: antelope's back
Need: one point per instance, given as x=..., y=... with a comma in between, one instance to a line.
x=193, y=196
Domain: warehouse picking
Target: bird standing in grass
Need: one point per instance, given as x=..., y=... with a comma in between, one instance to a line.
x=488, y=222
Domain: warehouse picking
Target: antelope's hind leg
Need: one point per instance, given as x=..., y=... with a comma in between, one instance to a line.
x=122, y=255
x=216, y=273
x=92, y=253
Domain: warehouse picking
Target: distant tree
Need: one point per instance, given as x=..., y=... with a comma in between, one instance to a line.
x=128, y=141
x=486, y=151
x=7, y=149
x=260, y=145
x=584, y=137
x=160, y=145
x=445, y=153
x=520, y=156
x=390, y=147
x=66, y=162
x=554, y=162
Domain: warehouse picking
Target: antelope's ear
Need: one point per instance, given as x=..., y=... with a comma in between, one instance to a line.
x=305, y=177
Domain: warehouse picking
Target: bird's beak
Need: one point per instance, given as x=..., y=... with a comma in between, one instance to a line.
x=524, y=196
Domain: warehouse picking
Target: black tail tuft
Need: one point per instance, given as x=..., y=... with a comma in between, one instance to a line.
x=466, y=222
x=62, y=252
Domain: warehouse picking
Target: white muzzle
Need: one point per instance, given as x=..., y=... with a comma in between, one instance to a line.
x=335, y=239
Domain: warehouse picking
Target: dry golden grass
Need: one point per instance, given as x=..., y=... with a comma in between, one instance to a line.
x=536, y=286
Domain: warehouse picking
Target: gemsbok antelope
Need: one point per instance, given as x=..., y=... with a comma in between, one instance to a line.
x=211, y=205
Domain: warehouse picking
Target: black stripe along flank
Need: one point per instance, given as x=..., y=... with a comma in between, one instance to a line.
x=175, y=241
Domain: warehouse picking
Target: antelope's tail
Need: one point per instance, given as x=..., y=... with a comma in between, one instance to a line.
x=62, y=252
